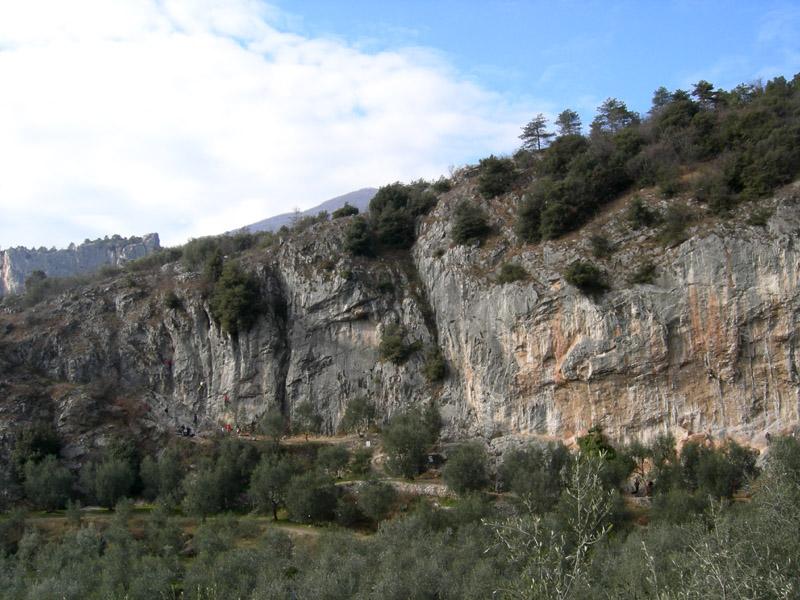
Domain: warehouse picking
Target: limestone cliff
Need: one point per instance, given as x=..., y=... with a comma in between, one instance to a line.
x=707, y=347
x=16, y=264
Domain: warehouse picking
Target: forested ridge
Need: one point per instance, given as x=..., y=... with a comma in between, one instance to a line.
x=261, y=516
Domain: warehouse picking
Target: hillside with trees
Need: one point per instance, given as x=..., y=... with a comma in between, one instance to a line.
x=566, y=373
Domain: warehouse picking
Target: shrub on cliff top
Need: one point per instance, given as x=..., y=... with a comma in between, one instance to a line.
x=585, y=276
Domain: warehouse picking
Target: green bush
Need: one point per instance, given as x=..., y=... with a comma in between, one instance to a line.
x=496, y=177
x=306, y=420
x=759, y=217
x=442, y=185
x=601, y=245
x=108, y=482
x=557, y=157
x=359, y=415
x=393, y=210
x=213, y=266
x=269, y=483
x=236, y=300
x=376, y=499
x=358, y=239
x=203, y=491
x=172, y=301
x=154, y=259
x=677, y=507
x=466, y=469
x=434, y=367
x=34, y=443
x=345, y=211
x=362, y=458
x=586, y=277
x=510, y=272
x=639, y=214
x=675, y=221
x=393, y=348
x=529, y=218
x=645, y=273
x=48, y=486
x=162, y=479
x=594, y=443
x=712, y=188
x=333, y=459
x=405, y=443
x=311, y=498
x=471, y=224
x=197, y=252
x=536, y=474
x=395, y=228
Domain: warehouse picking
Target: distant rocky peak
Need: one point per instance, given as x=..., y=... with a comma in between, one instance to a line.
x=16, y=264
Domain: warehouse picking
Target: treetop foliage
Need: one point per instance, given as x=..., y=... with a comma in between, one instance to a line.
x=745, y=137
x=497, y=175
x=345, y=211
x=534, y=135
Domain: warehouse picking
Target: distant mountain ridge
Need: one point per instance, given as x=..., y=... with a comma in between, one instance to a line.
x=360, y=199
x=16, y=264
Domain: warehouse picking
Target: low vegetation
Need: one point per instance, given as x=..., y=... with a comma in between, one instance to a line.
x=566, y=525
x=587, y=277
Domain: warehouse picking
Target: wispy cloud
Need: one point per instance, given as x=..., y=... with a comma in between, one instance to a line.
x=193, y=117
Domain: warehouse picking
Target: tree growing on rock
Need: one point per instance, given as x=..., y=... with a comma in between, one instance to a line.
x=471, y=224
x=236, y=300
x=358, y=239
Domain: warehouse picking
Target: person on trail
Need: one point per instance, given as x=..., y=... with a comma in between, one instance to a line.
x=201, y=386
x=225, y=400
x=169, y=366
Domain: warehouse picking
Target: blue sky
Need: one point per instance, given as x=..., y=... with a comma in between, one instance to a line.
x=193, y=117
x=558, y=55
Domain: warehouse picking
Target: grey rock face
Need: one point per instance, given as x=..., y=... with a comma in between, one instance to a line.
x=707, y=347
x=16, y=264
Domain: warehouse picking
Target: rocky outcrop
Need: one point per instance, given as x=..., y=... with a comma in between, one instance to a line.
x=707, y=347
x=16, y=264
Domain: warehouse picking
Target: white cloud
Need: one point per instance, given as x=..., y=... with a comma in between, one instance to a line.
x=193, y=117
